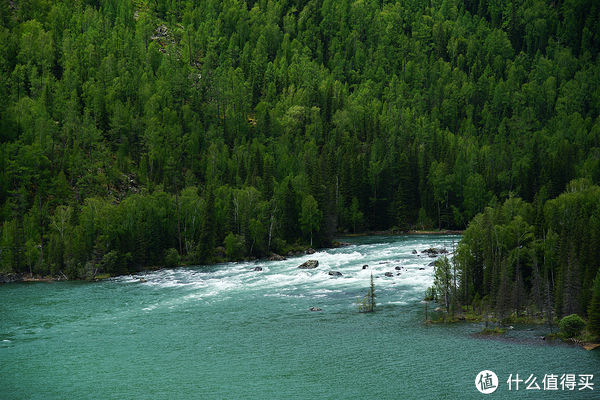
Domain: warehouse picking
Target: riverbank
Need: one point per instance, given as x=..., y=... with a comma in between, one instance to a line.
x=292, y=251
x=13, y=277
x=392, y=232
x=523, y=323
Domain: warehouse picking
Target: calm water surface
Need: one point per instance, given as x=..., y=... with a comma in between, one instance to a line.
x=226, y=332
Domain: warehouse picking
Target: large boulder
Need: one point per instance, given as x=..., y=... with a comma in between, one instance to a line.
x=310, y=264
x=310, y=250
x=276, y=257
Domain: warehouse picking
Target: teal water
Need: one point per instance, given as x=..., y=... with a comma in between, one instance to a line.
x=225, y=332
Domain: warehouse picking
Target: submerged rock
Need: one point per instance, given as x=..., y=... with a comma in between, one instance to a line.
x=414, y=251
x=310, y=264
x=431, y=264
x=365, y=266
x=389, y=274
x=142, y=280
x=257, y=269
x=398, y=268
x=315, y=309
x=335, y=273
x=421, y=268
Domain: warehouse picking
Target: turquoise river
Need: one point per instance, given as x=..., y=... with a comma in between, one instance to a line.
x=227, y=332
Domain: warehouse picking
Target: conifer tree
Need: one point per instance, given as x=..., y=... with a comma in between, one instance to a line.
x=207, y=237
x=594, y=308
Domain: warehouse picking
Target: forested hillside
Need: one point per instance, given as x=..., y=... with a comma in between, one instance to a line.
x=133, y=133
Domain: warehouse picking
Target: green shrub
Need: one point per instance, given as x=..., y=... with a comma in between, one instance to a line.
x=171, y=258
x=234, y=247
x=571, y=325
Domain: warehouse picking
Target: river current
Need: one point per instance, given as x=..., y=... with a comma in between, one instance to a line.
x=228, y=332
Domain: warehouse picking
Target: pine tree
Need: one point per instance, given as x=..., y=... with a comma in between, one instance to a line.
x=290, y=213
x=594, y=308
x=367, y=303
x=443, y=281
x=206, y=241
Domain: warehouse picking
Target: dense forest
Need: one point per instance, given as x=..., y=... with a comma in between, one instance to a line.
x=520, y=259
x=139, y=133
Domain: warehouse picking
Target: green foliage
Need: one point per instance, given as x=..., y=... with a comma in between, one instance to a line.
x=310, y=217
x=537, y=257
x=430, y=294
x=442, y=282
x=594, y=308
x=234, y=246
x=572, y=325
x=356, y=216
x=138, y=127
x=171, y=258
x=493, y=331
x=367, y=303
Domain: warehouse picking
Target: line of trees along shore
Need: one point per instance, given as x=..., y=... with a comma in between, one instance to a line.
x=137, y=133
x=535, y=260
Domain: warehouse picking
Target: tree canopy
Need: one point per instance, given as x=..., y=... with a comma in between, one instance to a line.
x=128, y=128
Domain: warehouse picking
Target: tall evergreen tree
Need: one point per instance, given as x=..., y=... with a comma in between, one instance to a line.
x=594, y=308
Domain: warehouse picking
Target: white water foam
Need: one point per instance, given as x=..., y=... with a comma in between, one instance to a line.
x=284, y=279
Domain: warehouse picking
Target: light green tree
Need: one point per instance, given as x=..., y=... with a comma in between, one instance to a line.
x=310, y=216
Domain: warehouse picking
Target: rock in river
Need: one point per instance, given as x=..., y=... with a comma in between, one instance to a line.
x=365, y=266
x=310, y=264
x=257, y=269
x=315, y=309
x=335, y=273
x=276, y=257
x=389, y=274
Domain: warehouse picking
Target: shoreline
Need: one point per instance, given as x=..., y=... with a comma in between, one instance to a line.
x=499, y=331
x=14, y=277
x=403, y=233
